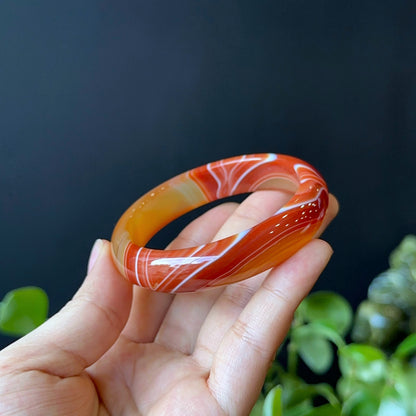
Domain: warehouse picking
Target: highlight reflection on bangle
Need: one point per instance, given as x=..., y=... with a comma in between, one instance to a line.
x=231, y=259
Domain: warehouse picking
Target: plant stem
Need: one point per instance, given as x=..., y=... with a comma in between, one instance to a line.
x=292, y=358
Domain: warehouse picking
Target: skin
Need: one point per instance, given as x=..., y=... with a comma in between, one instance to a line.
x=120, y=350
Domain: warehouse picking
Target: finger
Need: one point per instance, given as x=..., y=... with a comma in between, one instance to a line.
x=229, y=306
x=84, y=329
x=250, y=345
x=149, y=308
x=331, y=213
x=179, y=333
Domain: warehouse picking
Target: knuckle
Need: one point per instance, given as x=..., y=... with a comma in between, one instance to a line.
x=106, y=314
x=278, y=293
x=184, y=240
x=246, y=334
x=248, y=214
x=238, y=295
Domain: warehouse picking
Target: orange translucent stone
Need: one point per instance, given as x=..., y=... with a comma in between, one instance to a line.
x=231, y=259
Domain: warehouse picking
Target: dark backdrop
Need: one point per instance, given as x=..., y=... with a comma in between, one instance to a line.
x=102, y=100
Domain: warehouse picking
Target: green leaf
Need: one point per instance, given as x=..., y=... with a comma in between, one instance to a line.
x=326, y=391
x=299, y=410
x=316, y=352
x=311, y=342
x=258, y=408
x=307, y=392
x=404, y=379
x=318, y=329
x=376, y=324
x=273, y=402
x=22, y=310
x=346, y=387
x=295, y=391
x=361, y=403
x=328, y=308
x=325, y=410
x=404, y=254
x=406, y=347
x=392, y=404
x=362, y=362
x=394, y=287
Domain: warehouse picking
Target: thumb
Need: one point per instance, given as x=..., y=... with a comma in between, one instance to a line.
x=81, y=332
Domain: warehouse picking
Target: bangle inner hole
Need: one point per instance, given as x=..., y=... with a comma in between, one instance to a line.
x=164, y=236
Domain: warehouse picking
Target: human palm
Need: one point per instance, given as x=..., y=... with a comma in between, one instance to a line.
x=118, y=350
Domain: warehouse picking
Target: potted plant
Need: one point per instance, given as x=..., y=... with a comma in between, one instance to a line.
x=373, y=351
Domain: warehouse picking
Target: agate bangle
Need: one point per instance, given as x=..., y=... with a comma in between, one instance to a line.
x=231, y=259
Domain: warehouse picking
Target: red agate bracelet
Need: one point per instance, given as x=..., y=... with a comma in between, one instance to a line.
x=231, y=259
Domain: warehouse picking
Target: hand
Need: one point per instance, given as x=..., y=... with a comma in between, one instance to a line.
x=118, y=350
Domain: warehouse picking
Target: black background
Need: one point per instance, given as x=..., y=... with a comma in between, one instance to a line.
x=102, y=100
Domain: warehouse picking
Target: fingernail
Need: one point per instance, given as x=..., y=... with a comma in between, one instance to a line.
x=95, y=251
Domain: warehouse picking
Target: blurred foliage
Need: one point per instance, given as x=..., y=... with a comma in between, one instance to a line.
x=22, y=310
x=377, y=369
x=389, y=313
